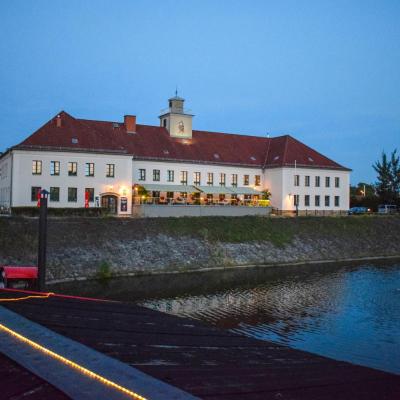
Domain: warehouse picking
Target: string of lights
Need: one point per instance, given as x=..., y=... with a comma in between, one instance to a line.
x=72, y=364
x=44, y=296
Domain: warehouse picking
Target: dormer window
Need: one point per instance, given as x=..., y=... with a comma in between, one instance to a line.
x=216, y=156
x=253, y=158
x=74, y=140
x=276, y=158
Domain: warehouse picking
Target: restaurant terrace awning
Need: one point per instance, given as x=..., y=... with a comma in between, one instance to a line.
x=244, y=190
x=169, y=188
x=214, y=189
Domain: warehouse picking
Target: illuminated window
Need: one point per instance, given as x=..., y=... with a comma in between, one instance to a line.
x=297, y=180
x=142, y=174
x=72, y=195
x=196, y=178
x=54, y=167
x=317, y=201
x=72, y=169
x=54, y=194
x=246, y=180
x=307, y=180
x=257, y=180
x=36, y=167
x=222, y=179
x=317, y=181
x=210, y=179
x=183, y=177
x=234, y=180
x=110, y=170
x=35, y=191
x=170, y=175
x=89, y=169
x=337, y=182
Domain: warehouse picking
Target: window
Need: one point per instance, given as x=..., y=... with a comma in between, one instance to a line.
x=196, y=178
x=297, y=180
x=234, y=180
x=327, y=201
x=54, y=194
x=142, y=174
x=36, y=167
x=72, y=169
x=337, y=201
x=164, y=122
x=72, y=194
x=337, y=182
x=296, y=200
x=89, y=169
x=307, y=180
x=327, y=181
x=317, y=201
x=222, y=179
x=35, y=191
x=184, y=177
x=307, y=200
x=246, y=180
x=110, y=170
x=210, y=179
x=257, y=180
x=55, y=168
x=156, y=175
x=170, y=195
x=317, y=181
x=91, y=194
x=170, y=175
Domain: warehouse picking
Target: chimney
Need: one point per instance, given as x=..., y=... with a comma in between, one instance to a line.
x=130, y=123
x=58, y=121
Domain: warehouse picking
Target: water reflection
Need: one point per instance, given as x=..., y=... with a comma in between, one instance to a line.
x=350, y=313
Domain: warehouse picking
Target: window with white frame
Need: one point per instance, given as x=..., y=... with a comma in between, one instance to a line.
x=110, y=170
x=327, y=181
x=317, y=200
x=307, y=200
x=196, y=178
x=184, y=177
x=89, y=169
x=72, y=169
x=307, y=180
x=297, y=180
x=337, y=182
x=156, y=175
x=142, y=174
x=36, y=167
x=246, y=180
x=257, y=180
x=222, y=179
x=234, y=180
x=210, y=179
x=337, y=201
x=54, y=168
x=317, y=181
x=170, y=175
x=327, y=201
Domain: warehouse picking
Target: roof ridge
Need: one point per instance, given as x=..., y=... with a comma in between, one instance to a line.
x=266, y=154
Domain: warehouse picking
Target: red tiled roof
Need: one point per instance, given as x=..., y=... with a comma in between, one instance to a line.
x=153, y=142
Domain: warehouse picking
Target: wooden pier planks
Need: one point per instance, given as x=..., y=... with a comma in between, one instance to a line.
x=207, y=362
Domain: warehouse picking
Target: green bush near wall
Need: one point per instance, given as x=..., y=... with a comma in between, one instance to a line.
x=60, y=212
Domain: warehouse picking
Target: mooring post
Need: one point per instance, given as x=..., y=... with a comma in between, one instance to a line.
x=41, y=262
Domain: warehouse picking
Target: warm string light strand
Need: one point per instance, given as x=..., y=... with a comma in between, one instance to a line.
x=72, y=364
x=44, y=296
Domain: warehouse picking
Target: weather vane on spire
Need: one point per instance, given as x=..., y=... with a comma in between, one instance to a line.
x=176, y=91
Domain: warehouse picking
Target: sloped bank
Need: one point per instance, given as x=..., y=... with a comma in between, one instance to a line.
x=80, y=248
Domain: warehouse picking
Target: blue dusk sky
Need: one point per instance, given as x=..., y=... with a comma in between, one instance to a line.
x=325, y=72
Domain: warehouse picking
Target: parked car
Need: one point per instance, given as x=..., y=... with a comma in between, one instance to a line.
x=358, y=210
x=387, y=209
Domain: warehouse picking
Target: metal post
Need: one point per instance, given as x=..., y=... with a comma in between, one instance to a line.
x=42, y=241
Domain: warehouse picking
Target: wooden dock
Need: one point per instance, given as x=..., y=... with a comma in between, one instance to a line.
x=207, y=362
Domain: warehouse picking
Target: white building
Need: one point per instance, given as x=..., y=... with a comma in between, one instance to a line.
x=111, y=160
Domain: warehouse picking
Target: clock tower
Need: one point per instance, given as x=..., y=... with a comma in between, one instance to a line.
x=176, y=119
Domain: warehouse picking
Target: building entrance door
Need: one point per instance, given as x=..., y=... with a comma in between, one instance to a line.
x=109, y=202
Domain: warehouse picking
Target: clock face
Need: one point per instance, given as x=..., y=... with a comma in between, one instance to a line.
x=181, y=127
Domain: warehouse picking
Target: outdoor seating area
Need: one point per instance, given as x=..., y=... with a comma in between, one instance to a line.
x=174, y=195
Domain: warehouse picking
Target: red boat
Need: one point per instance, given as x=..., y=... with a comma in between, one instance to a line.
x=18, y=276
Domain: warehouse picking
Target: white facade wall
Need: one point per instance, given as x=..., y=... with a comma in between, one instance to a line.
x=5, y=180
x=273, y=182
x=204, y=169
x=120, y=185
x=289, y=189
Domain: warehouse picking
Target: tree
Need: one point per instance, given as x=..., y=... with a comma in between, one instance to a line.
x=388, y=171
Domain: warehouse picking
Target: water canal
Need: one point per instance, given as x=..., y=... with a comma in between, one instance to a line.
x=345, y=312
